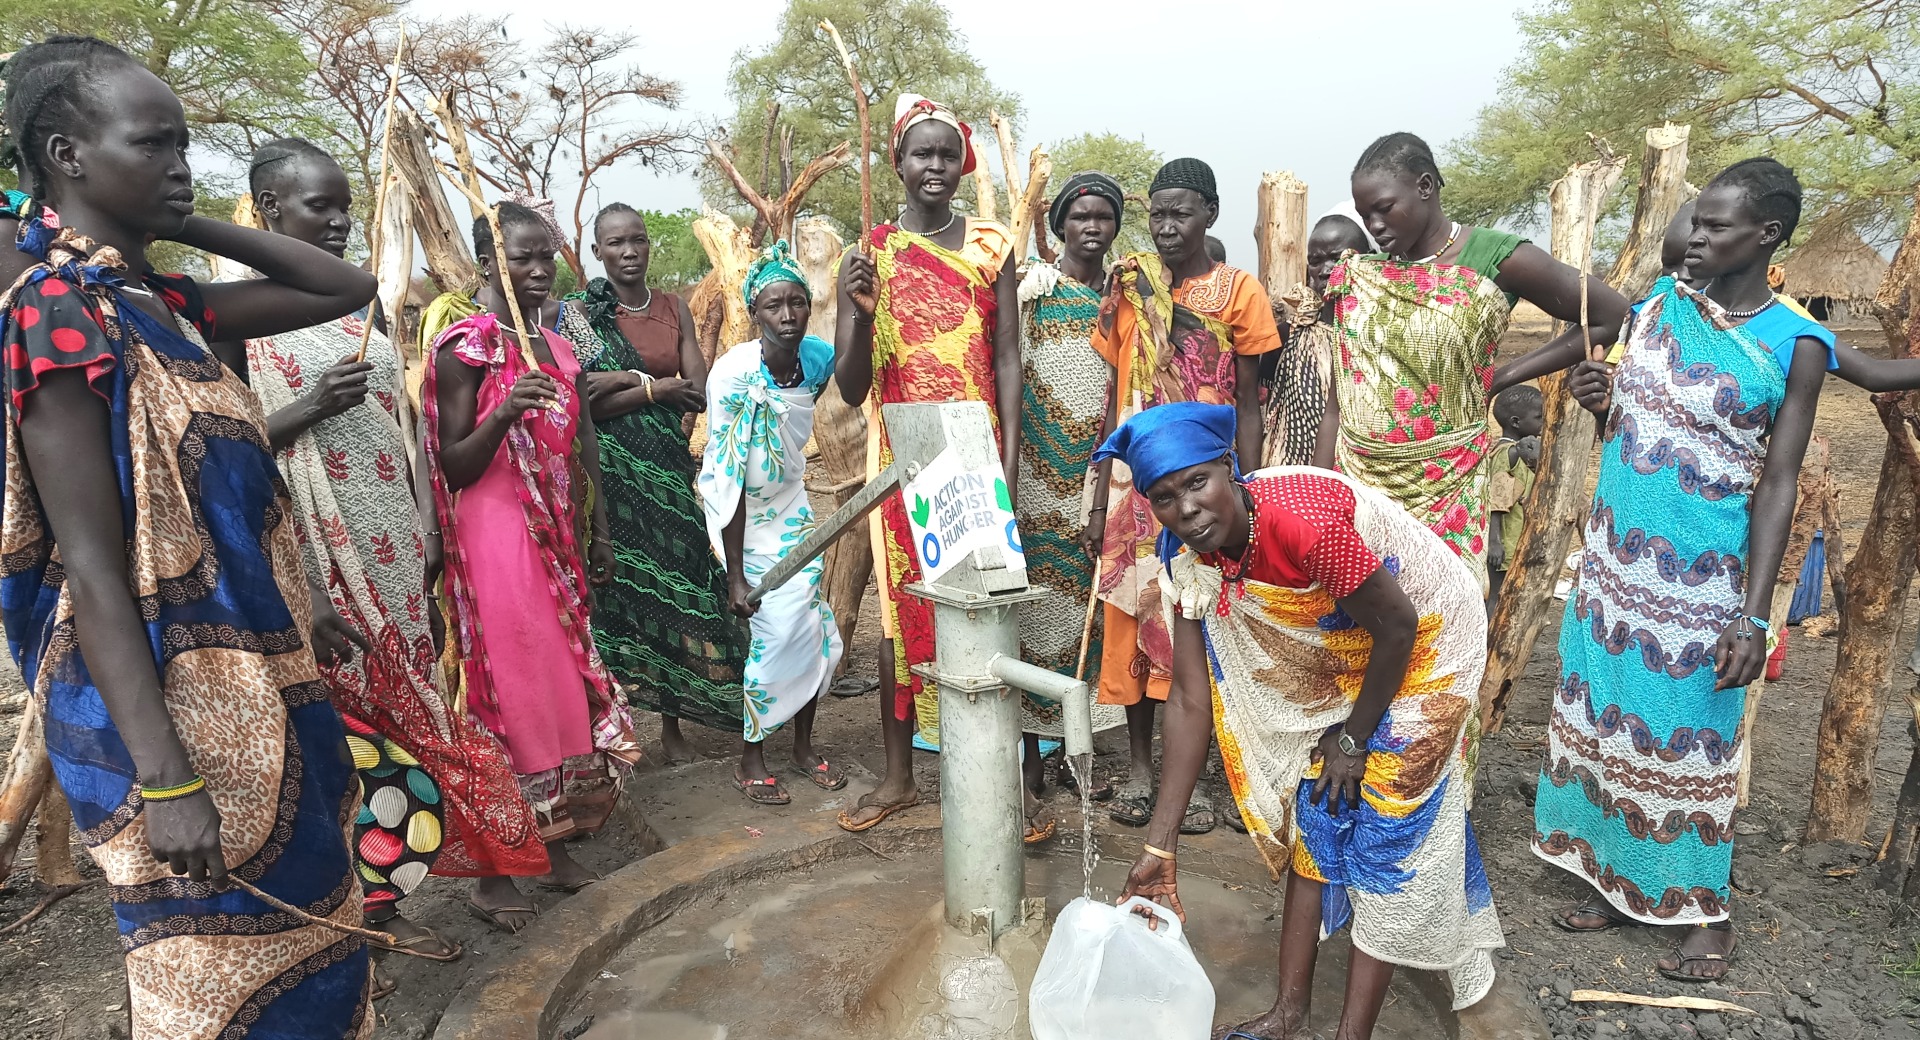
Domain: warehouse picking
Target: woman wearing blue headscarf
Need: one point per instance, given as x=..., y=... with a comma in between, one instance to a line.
x=1338, y=645
x=752, y=484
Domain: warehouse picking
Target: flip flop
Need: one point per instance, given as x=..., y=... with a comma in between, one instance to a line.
x=1590, y=908
x=407, y=945
x=762, y=792
x=1133, y=803
x=1063, y=775
x=1037, y=834
x=823, y=775
x=853, y=686
x=1201, y=804
x=492, y=918
x=1235, y=820
x=1678, y=975
x=553, y=886
x=382, y=988
x=846, y=821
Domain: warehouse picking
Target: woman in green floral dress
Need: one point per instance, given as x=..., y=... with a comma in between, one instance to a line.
x=1418, y=325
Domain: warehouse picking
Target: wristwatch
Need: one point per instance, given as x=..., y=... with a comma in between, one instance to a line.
x=1348, y=747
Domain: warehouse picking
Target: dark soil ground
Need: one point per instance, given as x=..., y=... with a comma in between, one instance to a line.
x=1824, y=955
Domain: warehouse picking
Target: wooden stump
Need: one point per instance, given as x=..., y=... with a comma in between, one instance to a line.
x=1663, y=190
x=53, y=841
x=1280, y=232
x=1559, y=493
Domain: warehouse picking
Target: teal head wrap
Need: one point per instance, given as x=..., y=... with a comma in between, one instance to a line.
x=774, y=264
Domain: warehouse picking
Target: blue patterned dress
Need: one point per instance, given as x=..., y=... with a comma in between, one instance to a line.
x=1643, y=756
x=218, y=582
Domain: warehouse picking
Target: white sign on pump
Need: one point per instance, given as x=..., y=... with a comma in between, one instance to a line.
x=953, y=510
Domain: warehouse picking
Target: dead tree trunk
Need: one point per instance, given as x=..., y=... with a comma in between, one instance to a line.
x=1663, y=189
x=1560, y=487
x=840, y=434
x=1878, y=578
x=1898, y=874
x=1280, y=232
x=53, y=841
x=442, y=237
x=1029, y=208
x=1816, y=502
x=777, y=214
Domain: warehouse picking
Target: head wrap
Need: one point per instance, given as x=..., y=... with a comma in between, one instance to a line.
x=1167, y=439
x=1187, y=173
x=542, y=208
x=774, y=264
x=911, y=110
x=1092, y=182
x=1348, y=210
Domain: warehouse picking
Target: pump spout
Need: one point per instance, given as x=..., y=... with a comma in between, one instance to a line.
x=1076, y=700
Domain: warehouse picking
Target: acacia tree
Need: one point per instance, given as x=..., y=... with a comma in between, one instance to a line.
x=553, y=118
x=237, y=70
x=797, y=81
x=1830, y=87
x=349, y=46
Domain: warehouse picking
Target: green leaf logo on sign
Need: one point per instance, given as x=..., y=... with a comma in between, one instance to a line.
x=922, y=510
x=1000, y=494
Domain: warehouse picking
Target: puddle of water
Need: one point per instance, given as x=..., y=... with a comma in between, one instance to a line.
x=809, y=949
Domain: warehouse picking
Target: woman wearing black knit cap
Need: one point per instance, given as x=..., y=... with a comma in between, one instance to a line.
x=1061, y=416
x=1176, y=326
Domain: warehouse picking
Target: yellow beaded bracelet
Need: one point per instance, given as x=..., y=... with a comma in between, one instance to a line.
x=168, y=794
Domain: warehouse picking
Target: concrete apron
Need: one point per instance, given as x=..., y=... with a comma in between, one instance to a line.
x=534, y=993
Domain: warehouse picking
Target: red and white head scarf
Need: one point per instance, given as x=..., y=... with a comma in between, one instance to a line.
x=912, y=109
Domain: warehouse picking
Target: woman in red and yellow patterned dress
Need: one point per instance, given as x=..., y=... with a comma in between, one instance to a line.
x=919, y=308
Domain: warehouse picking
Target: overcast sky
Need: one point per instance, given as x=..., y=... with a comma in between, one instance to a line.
x=1247, y=86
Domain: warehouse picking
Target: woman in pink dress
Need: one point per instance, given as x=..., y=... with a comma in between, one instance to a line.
x=502, y=438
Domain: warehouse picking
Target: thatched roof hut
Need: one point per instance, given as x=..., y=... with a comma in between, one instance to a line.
x=1836, y=266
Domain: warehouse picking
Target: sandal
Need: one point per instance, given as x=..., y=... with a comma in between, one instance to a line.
x=452, y=950
x=852, y=826
x=1133, y=803
x=1200, y=817
x=383, y=987
x=1591, y=908
x=1236, y=819
x=762, y=792
x=823, y=775
x=1039, y=832
x=1063, y=775
x=1680, y=960
x=491, y=916
x=853, y=686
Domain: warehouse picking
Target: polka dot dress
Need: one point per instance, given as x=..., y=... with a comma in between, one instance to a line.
x=1304, y=535
x=400, y=827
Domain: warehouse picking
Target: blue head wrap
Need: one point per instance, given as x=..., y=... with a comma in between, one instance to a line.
x=1167, y=439
x=775, y=264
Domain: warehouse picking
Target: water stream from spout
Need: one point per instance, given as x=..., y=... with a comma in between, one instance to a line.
x=1082, y=766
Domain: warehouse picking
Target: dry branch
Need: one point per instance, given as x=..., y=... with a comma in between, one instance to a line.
x=1280, y=232
x=866, y=131
x=1689, y=1003
x=468, y=178
x=1032, y=199
x=377, y=230
x=1559, y=490
x=778, y=214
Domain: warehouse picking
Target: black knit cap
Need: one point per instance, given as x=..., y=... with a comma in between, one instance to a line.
x=1091, y=182
x=1187, y=173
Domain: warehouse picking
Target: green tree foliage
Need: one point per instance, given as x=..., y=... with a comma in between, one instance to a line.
x=1131, y=162
x=899, y=45
x=677, y=260
x=241, y=75
x=1830, y=87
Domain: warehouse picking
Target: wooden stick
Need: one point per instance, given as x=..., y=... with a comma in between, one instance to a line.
x=376, y=937
x=54, y=895
x=866, y=133
x=469, y=183
x=1003, y=136
x=1689, y=1003
x=467, y=179
x=1086, y=627
x=380, y=193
